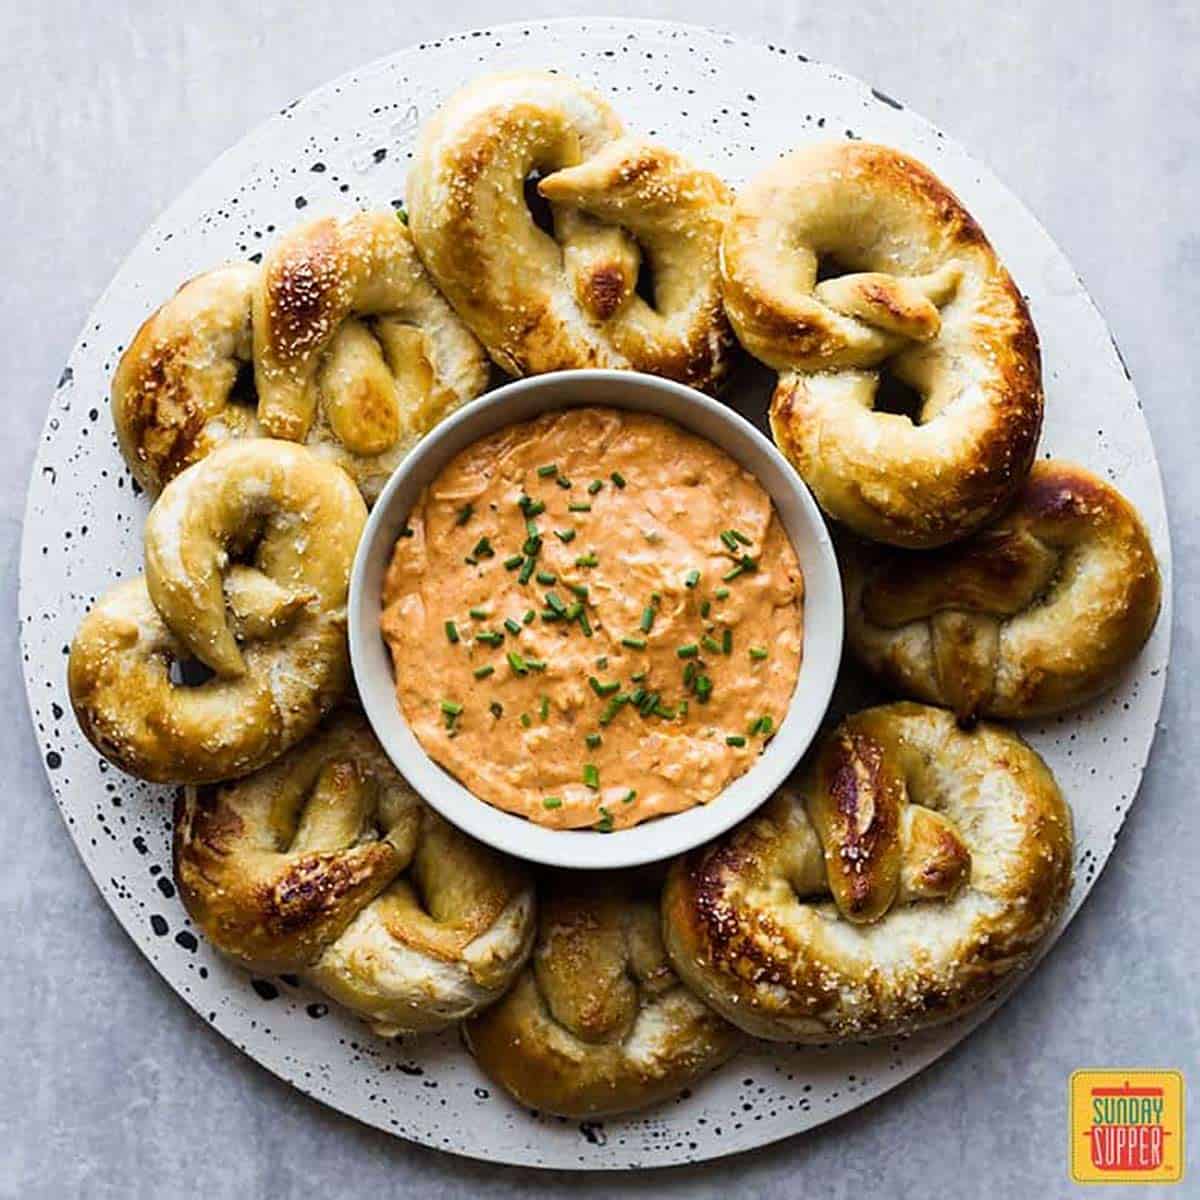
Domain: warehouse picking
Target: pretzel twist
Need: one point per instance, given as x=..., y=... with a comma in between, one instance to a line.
x=925, y=300
x=328, y=864
x=598, y=1023
x=947, y=856
x=271, y=629
x=1033, y=615
x=551, y=301
x=339, y=341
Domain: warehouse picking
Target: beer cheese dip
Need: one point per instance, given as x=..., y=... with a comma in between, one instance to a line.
x=595, y=618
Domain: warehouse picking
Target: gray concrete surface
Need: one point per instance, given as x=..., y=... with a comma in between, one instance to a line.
x=109, y=1086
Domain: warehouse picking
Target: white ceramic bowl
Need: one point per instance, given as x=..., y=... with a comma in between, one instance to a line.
x=664, y=836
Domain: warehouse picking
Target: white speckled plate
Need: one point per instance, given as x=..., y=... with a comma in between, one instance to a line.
x=734, y=106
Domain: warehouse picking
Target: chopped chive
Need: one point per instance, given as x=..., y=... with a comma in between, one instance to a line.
x=688, y=651
x=517, y=663
x=741, y=537
x=563, y=482
x=526, y=570
x=552, y=802
x=595, y=486
x=629, y=797
x=639, y=676
x=747, y=563
x=733, y=572
x=535, y=508
x=730, y=541
x=593, y=740
x=649, y=704
x=480, y=614
x=703, y=688
x=470, y=560
x=602, y=662
x=757, y=653
x=763, y=725
x=614, y=706
x=408, y=531
x=527, y=619
x=637, y=696
x=683, y=708
x=548, y=614
x=513, y=561
x=618, y=479
x=603, y=689
x=578, y=506
x=647, y=621
x=689, y=674
x=483, y=548
x=580, y=589
x=513, y=627
x=656, y=598
x=536, y=664
x=727, y=642
x=465, y=514
x=451, y=708
x=634, y=643
x=565, y=535
x=526, y=720
x=587, y=560
x=490, y=637
x=664, y=710
x=722, y=593
x=555, y=602
x=735, y=739
x=705, y=608
x=605, y=824
x=544, y=707
x=691, y=579
x=496, y=708
x=546, y=471
x=584, y=623
x=531, y=529
x=451, y=632
x=546, y=578
x=591, y=776
x=711, y=644
x=484, y=671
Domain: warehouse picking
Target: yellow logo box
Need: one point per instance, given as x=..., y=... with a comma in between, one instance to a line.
x=1126, y=1126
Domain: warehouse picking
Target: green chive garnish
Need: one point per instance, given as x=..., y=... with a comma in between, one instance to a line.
x=528, y=617
x=555, y=602
x=546, y=578
x=604, y=689
x=634, y=643
x=722, y=593
x=464, y=514
x=639, y=676
x=764, y=725
x=526, y=720
x=618, y=479
x=548, y=614
x=584, y=623
x=565, y=535
x=710, y=644
x=691, y=579
x=602, y=662
x=580, y=589
x=735, y=739
x=741, y=537
x=595, y=486
x=480, y=614
x=517, y=663
x=451, y=632
x=664, y=710
x=605, y=824
x=526, y=570
x=548, y=470
x=490, y=637
x=408, y=531
x=450, y=708
x=757, y=653
x=496, y=708
x=727, y=642
x=730, y=541
x=637, y=696
x=513, y=562
x=544, y=707
x=483, y=548
x=578, y=506
x=536, y=664
x=484, y=672
x=591, y=776
x=629, y=797
x=703, y=688
x=470, y=560
x=552, y=802
x=513, y=627
x=614, y=706
x=563, y=482
x=689, y=674
x=688, y=651
x=593, y=740
x=705, y=608
x=587, y=560
x=733, y=573
x=647, y=619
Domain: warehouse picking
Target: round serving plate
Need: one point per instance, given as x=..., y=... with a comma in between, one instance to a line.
x=734, y=106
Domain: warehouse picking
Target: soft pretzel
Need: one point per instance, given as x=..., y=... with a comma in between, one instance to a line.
x=248, y=556
x=356, y=352
x=927, y=300
x=328, y=864
x=598, y=1023
x=947, y=856
x=550, y=301
x=1030, y=616
x=340, y=341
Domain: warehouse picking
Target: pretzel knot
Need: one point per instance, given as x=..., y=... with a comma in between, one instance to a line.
x=598, y=1022
x=340, y=341
x=545, y=301
x=1028, y=617
x=947, y=856
x=329, y=865
x=248, y=556
x=924, y=301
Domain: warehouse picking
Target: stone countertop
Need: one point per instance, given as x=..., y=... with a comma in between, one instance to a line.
x=109, y=1085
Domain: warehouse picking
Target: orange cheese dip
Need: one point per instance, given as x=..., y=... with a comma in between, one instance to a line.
x=595, y=618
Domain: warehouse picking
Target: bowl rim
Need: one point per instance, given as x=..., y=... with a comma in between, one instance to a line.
x=661, y=837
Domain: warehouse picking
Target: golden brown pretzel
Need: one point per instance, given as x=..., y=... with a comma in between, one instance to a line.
x=272, y=628
x=926, y=300
x=1032, y=615
x=339, y=340
x=598, y=1023
x=545, y=302
x=328, y=864
x=948, y=857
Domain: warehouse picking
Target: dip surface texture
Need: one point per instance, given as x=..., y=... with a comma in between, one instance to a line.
x=595, y=618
